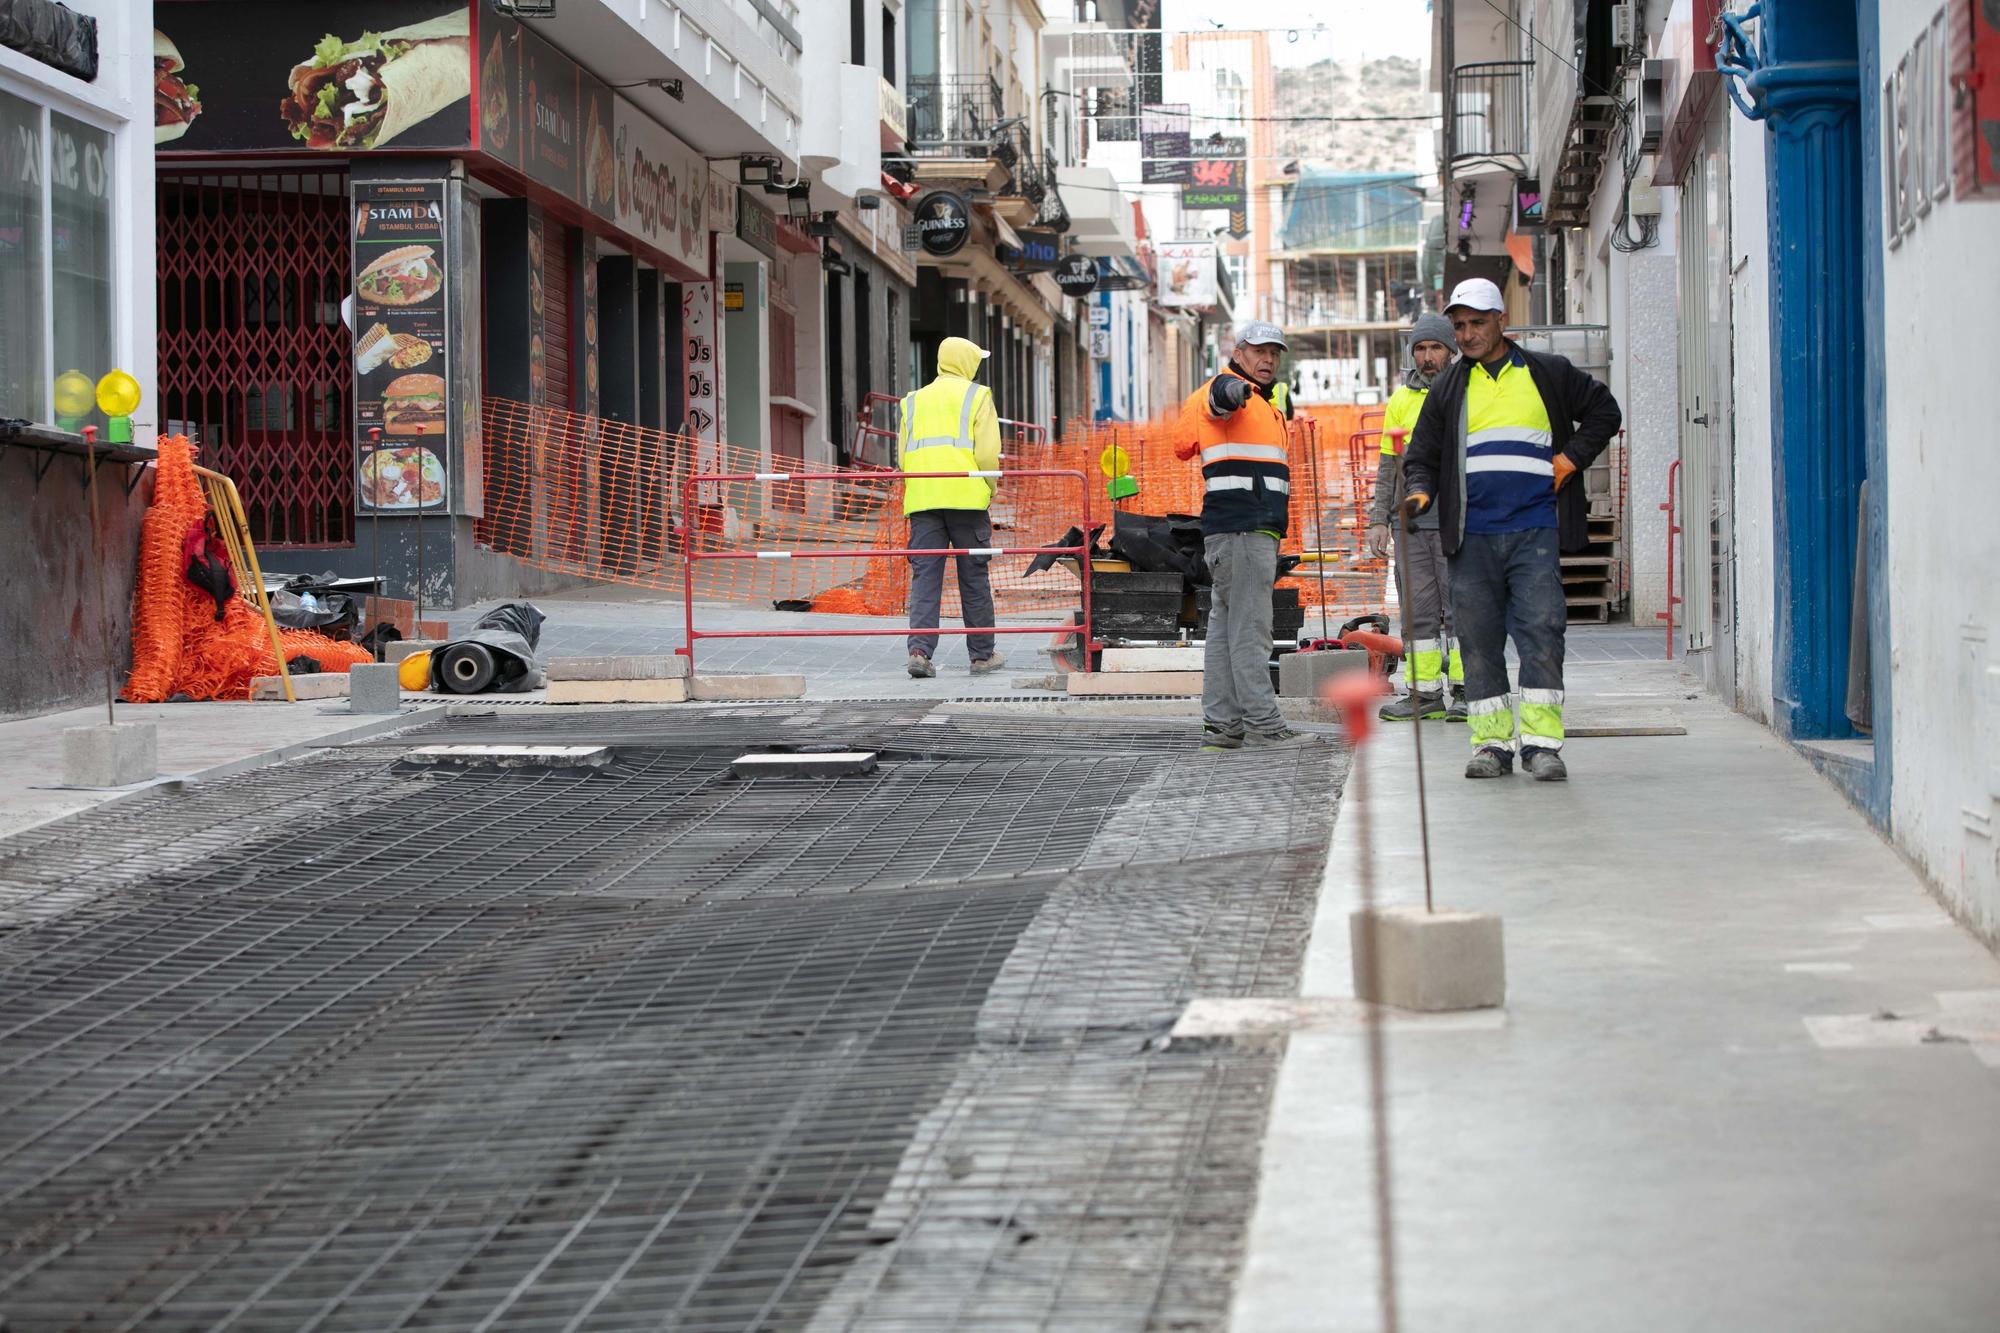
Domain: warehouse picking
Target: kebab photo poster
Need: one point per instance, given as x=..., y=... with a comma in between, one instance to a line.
x=399, y=344
x=360, y=76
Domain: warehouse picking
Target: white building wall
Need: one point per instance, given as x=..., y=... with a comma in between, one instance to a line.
x=1750, y=356
x=1637, y=294
x=118, y=101
x=1944, y=544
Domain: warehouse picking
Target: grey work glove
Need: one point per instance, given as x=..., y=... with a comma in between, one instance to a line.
x=1378, y=541
x=1227, y=393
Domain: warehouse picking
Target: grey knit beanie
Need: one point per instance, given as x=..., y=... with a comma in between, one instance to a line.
x=1432, y=327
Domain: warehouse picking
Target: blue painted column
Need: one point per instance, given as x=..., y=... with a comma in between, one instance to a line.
x=1804, y=81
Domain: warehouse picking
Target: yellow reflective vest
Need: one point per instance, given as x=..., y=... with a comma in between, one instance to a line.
x=944, y=429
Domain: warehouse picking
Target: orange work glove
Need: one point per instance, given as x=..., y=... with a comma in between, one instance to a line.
x=1564, y=470
x=1416, y=502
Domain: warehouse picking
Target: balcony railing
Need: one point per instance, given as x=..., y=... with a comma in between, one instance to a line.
x=1489, y=110
x=955, y=115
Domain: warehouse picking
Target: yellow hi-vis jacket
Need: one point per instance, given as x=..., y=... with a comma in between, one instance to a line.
x=949, y=425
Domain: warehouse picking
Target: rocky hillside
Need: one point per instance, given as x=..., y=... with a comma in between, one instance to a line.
x=1392, y=86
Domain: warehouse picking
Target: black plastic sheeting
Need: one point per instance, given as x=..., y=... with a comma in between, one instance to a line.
x=498, y=653
x=52, y=33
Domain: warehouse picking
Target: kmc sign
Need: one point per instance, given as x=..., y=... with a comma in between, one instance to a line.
x=943, y=223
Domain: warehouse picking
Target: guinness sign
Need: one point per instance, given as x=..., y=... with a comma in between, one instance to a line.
x=1077, y=276
x=943, y=223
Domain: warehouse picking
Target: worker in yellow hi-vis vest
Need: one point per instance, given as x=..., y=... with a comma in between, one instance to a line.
x=1423, y=581
x=950, y=425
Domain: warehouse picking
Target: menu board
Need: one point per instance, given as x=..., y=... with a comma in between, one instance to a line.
x=401, y=277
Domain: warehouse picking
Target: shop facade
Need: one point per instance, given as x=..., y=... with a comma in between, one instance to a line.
x=76, y=242
x=451, y=212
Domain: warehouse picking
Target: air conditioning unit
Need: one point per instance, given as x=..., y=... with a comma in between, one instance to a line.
x=1625, y=34
x=1651, y=121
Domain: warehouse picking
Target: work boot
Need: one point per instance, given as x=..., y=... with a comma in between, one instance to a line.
x=1409, y=707
x=1490, y=762
x=1282, y=738
x=920, y=666
x=1544, y=765
x=986, y=666
x=1214, y=740
x=1456, y=711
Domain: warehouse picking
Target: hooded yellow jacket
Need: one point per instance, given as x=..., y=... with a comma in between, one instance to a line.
x=949, y=425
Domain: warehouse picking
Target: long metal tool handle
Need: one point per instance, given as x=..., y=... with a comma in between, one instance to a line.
x=1407, y=562
x=103, y=593
x=1319, y=519
x=1378, y=1065
x=375, y=544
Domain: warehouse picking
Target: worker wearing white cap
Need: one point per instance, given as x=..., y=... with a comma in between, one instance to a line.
x=950, y=425
x=1235, y=423
x=1501, y=436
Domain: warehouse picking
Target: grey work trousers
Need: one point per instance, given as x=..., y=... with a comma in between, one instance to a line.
x=937, y=529
x=1423, y=593
x=1236, y=693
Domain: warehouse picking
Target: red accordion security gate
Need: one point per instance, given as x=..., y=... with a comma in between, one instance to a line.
x=255, y=364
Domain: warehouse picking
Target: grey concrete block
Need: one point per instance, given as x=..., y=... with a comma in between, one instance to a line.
x=835, y=764
x=1301, y=674
x=659, y=666
x=402, y=648
x=320, y=685
x=111, y=754
x=1428, y=961
x=375, y=687
x=749, y=687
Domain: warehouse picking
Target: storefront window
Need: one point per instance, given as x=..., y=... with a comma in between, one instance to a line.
x=80, y=224
x=23, y=378
x=56, y=263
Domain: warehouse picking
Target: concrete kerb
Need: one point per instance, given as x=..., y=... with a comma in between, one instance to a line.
x=276, y=755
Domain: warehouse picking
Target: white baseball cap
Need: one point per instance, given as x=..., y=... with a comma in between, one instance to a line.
x=1476, y=294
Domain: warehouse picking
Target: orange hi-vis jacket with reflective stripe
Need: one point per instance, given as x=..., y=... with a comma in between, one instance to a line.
x=1243, y=463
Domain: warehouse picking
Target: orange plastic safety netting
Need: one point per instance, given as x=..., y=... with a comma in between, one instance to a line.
x=178, y=646
x=605, y=500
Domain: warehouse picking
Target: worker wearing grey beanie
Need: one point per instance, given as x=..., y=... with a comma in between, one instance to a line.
x=1430, y=327
x=1430, y=660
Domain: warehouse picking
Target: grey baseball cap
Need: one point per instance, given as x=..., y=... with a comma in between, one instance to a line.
x=1253, y=332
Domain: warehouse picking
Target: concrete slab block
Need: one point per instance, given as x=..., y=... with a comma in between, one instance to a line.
x=111, y=754
x=1135, y=682
x=1428, y=961
x=1301, y=674
x=617, y=692
x=321, y=685
x=1261, y=1022
x=831, y=764
x=723, y=688
x=510, y=756
x=659, y=666
x=1152, y=659
x=375, y=687
x=402, y=648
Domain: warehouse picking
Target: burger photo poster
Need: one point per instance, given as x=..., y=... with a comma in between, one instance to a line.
x=401, y=386
x=367, y=75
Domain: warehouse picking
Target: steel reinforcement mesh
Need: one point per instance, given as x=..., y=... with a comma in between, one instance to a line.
x=352, y=1044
